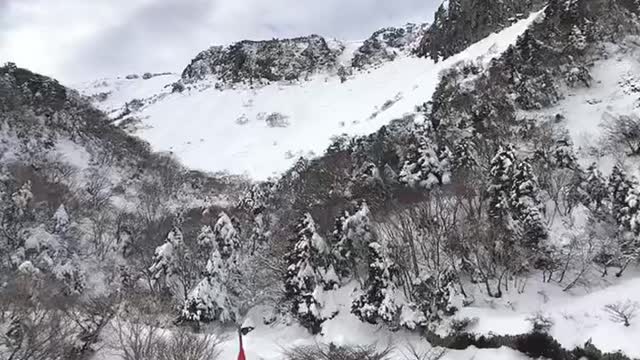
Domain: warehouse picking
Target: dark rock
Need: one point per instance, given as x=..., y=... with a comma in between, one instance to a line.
x=263, y=61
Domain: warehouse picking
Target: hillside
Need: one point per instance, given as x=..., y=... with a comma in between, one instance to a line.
x=462, y=190
x=261, y=130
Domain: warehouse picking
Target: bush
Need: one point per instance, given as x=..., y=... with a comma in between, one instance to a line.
x=277, y=120
x=540, y=323
x=622, y=312
x=183, y=345
x=622, y=132
x=332, y=352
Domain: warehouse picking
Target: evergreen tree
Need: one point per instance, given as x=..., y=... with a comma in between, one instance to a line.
x=463, y=158
x=526, y=206
x=619, y=187
x=164, y=256
x=211, y=300
x=426, y=166
x=563, y=155
x=596, y=188
x=577, y=40
x=501, y=183
x=379, y=299
x=226, y=236
x=630, y=241
x=353, y=235
x=206, y=238
x=308, y=275
x=61, y=220
x=22, y=198
x=576, y=192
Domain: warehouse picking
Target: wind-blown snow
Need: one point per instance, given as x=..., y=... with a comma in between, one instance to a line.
x=203, y=129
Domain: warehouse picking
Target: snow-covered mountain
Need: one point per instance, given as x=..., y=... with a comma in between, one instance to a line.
x=246, y=120
x=485, y=204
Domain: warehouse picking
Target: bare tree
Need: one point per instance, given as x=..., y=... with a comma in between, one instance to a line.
x=38, y=334
x=183, y=345
x=622, y=312
x=413, y=353
x=622, y=131
x=134, y=340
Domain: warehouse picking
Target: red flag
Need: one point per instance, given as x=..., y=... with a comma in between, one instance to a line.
x=241, y=354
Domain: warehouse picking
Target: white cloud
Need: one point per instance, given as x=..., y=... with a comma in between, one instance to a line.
x=84, y=39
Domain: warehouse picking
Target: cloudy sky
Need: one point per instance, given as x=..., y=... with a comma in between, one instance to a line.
x=77, y=40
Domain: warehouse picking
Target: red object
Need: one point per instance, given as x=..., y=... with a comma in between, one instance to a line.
x=241, y=354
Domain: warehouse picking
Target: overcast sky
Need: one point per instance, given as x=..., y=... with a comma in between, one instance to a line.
x=77, y=40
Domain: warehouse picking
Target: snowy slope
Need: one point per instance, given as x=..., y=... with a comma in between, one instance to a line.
x=614, y=91
x=214, y=130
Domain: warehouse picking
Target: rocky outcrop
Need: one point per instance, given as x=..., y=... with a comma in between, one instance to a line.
x=460, y=23
x=386, y=44
x=264, y=61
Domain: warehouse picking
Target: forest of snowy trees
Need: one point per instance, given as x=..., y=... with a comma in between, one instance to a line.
x=415, y=220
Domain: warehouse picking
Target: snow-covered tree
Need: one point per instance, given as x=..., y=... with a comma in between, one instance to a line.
x=164, y=260
x=61, y=220
x=501, y=182
x=577, y=39
x=433, y=294
x=308, y=275
x=463, y=158
x=379, y=300
x=353, y=235
x=619, y=187
x=426, y=166
x=206, y=237
x=22, y=198
x=226, y=236
x=630, y=242
x=526, y=206
x=211, y=300
x=596, y=188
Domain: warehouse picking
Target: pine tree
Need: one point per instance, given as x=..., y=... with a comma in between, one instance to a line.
x=427, y=166
x=619, y=187
x=22, y=198
x=563, y=155
x=211, y=300
x=379, y=300
x=501, y=182
x=630, y=239
x=226, y=236
x=526, y=205
x=577, y=40
x=206, y=238
x=307, y=266
x=463, y=158
x=164, y=256
x=61, y=220
x=353, y=235
x=596, y=188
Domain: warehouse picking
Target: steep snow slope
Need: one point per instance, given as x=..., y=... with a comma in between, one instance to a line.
x=614, y=91
x=216, y=130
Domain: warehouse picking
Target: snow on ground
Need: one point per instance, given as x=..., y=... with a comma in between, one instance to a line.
x=269, y=342
x=215, y=130
x=578, y=315
x=615, y=91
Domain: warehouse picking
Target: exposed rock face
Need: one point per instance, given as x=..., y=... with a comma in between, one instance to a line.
x=263, y=61
x=460, y=23
x=385, y=44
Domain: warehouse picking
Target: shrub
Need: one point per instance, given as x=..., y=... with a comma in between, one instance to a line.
x=540, y=323
x=622, y=312
x=333, y=352
x=277, y=120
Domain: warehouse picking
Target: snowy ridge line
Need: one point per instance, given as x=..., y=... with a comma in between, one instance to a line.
x=261, y=132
